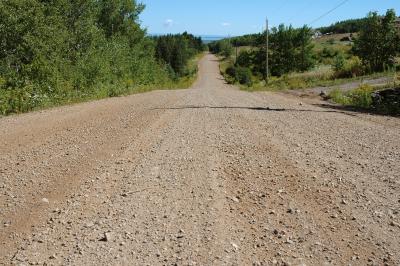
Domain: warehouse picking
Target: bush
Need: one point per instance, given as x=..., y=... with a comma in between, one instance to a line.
x=387, y=101
x=339, y=63
x=56, y=52
x=350, y=68
x=245, y=59
x=337, y=96
x=328, y=52
x=360, y=97
x=223, y=47
x=242, y=75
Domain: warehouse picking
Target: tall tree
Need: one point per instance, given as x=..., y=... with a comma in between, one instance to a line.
x=378, y=42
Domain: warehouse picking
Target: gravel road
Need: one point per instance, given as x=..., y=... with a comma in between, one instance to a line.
x=206, y=176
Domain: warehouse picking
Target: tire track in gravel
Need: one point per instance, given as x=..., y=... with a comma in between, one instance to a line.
x=206, y=176
x=82, y=152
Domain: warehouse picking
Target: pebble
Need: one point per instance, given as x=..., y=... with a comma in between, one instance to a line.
x=235, y=199
x=45, y=200
x=236, y=247
x=108, y=237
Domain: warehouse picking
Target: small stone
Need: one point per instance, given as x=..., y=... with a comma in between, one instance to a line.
x=89, y=224
x=236, y=247
x=108, y=237
x=235, y=199
x=45, y=200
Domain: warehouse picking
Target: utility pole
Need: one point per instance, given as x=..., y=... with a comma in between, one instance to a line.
x=267, y=55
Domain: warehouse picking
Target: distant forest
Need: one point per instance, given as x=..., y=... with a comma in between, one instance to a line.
x=345, y=26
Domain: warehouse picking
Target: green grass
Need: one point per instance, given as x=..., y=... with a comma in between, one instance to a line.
x=360, y=97
x=322, y=76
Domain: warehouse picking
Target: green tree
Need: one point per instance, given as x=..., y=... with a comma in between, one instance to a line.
x=223, y=47
x=378, y=42
x=176, y=50
x=57, y=51
x=291, y=49
x=305, y=55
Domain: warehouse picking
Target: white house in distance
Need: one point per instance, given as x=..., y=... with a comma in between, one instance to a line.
x=317, y=34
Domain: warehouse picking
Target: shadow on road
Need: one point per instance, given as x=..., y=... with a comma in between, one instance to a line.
x=255, y=109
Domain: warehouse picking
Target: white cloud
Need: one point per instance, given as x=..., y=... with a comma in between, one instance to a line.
x=225, y=24
x=168, y=23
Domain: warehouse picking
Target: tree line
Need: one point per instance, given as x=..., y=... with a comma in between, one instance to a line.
x=292, y=50
x=176, y=50
x=52, y=52
x=346, y=26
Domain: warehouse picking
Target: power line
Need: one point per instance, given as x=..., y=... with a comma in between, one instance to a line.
x=282, y=6
x=298, y=13
x=330, y=11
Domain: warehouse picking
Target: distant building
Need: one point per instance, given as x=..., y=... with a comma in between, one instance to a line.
x=317, y=34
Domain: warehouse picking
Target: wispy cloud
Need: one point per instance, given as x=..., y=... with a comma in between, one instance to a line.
x=168, y=23
x=225, y=24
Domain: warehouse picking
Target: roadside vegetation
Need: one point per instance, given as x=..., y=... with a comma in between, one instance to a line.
x=352, y=50
x=61, y=52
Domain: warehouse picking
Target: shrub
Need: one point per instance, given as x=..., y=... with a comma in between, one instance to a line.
x=387, y=101
x=52, y=54
x=245, y=59
x=337, y=96
x=223, y=47
x=339, y=63
x=328, y=52
x=348, y=68
x=360, y=97
x=242, y=75
x=231, y=71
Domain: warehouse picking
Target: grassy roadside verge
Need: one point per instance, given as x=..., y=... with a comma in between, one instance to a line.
x=382, y=100
x=362, y=98
x=18, y=99
x=318, y=77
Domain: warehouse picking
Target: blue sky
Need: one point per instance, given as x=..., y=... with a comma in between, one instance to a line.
x=237, y=17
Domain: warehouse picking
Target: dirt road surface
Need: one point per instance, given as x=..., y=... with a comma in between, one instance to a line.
x=206, y=176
